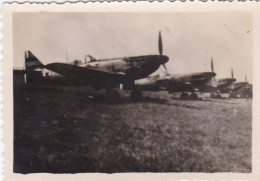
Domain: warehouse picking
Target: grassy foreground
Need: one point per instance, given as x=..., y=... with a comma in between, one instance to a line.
x=59, y=132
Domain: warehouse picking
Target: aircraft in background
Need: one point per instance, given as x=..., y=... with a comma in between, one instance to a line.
x=226, y=84
x=235, y=89
x=229, y=85
x=241, y=90
x=183, y=83
x=100, y=74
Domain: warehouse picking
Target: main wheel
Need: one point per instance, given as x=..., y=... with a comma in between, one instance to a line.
x=232, y=95
x=194, y=96
x=184, y=96
x=136, y=95
x=219, y=96
x=213, y=95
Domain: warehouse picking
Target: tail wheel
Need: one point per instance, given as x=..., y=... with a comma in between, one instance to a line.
x=136, y=95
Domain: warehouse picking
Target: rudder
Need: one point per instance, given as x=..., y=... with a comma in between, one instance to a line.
x=31, y=62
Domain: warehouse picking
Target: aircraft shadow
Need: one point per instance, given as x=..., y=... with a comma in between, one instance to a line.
x=123, y=100
x=127, y=100
x=179, y=99
x=220, y=100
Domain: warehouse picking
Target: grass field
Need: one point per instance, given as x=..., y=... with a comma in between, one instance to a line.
x=58, y=131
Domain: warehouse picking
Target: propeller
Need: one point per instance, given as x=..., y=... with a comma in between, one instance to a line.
x=246, y=78
x=160, y=46
x=213, y=80
x=233, y=81
x=212, y=69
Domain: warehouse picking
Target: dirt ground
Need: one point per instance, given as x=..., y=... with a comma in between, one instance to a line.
x=61, y=131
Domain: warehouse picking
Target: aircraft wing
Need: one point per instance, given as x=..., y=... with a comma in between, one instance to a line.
x=176, y=85
x=87, y=75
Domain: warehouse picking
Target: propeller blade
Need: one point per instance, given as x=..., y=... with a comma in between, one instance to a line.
x=212, y=65
x=165, y=69
x=232, y=74
x=160, y=44
x=212, y=68
x=246, y=78
x=25, y=55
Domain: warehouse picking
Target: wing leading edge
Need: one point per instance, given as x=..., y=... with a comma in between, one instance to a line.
x=87, y=75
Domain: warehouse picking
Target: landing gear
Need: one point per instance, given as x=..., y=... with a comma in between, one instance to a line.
x=112, y=96
x=219, y=96
x=136, y=95
x=194, y=96
x=240, y=94
x=184, y=96
x=233, y=95
x=215, y=95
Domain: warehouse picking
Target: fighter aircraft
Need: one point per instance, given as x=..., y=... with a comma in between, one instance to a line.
x=226, y=84
x=100, y=74
x=241, y=89
x=180, y=83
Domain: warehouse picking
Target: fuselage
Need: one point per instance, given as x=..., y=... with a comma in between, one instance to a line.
x=226, y=84
x=195, y=78
x=176, y=83
x=226, y=81
x=132, y=68
x=240, y=85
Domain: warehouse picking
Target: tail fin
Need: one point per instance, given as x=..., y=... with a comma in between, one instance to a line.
x=31, y=62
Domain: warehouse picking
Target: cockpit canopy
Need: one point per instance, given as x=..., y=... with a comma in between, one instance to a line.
x=89, y=58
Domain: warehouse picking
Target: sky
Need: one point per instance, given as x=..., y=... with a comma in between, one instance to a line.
x=189, y=39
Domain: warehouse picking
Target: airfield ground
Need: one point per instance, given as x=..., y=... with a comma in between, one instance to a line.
x=60, y=131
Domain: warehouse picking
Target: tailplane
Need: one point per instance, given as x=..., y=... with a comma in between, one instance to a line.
x=31, y=62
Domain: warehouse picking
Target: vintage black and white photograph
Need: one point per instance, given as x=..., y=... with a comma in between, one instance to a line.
x=124, y=92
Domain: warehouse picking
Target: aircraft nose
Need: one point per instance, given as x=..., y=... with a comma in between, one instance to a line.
x=164, y=59
x=213, y=83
